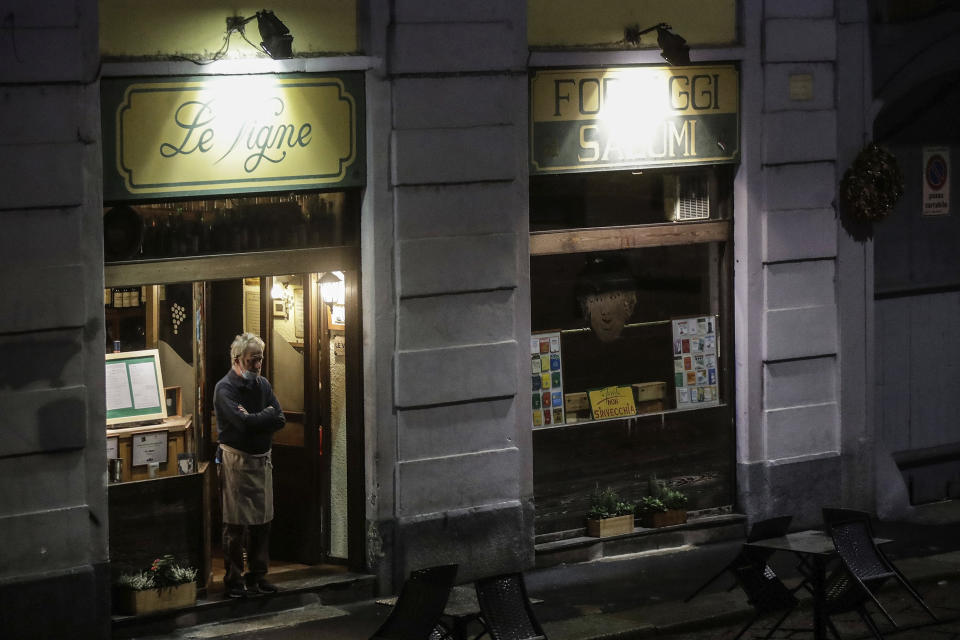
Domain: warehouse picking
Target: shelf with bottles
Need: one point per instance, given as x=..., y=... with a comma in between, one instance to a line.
x=235, y=225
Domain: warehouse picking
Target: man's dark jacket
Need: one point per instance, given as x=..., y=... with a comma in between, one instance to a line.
x=251, y=432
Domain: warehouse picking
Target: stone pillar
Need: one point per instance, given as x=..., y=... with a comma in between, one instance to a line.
x=459, y=447
x=794, y=464
x=54, y=577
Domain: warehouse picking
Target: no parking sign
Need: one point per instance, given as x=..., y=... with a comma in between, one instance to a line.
x=936, y=181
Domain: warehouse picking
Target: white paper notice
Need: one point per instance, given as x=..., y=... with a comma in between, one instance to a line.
x=118, y=391
x=149, y=447
x=143, y=381
x=112, y=448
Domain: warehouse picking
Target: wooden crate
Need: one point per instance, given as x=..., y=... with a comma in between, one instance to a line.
x=610, y=526
x=646, y=391
x=138, y=603
x=663, y=519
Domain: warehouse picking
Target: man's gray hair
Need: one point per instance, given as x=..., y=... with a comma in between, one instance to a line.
x=243, y=342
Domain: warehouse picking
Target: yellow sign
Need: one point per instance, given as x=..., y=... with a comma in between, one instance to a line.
x=235, y=133
x=612, y=402
x=595, y=119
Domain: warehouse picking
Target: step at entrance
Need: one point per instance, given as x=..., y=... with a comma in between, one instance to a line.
x=309, y=589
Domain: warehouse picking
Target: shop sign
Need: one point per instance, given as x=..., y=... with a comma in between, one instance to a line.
x=633, y=117
x=612, y=402
x=936, y=181
x=168, y=137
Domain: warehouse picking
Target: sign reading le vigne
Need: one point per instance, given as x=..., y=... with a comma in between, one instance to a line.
x=633, y=117
x=230, y=134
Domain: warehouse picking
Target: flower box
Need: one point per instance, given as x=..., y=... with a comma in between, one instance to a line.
x=663, y=518
x=606, y=527
x=138, y=603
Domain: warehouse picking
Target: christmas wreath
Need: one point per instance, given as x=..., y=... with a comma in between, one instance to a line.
x=872, y=185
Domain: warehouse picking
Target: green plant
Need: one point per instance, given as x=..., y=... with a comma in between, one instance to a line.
x=673, y=499
x=164, y=572
x=663, y=496
x=649, y=504
x=607, y=504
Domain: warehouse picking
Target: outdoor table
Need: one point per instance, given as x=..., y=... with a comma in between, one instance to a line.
x=815, y=550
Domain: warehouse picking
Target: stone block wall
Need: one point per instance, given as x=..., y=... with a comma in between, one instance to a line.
x=800, y=431
x=54, y=578
x=462, y=493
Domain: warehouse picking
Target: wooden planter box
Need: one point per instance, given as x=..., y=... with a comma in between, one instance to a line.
x=610, y=526
x=138, y=603
x=663, y=519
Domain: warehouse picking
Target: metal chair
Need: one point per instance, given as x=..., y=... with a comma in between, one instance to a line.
x=761, y=530
x=853, y=539
x=505, y=608
x=416, y=615
x=766, y=593
x=844, y=592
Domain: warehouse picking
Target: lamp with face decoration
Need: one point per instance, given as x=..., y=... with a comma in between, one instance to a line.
x=607, y=293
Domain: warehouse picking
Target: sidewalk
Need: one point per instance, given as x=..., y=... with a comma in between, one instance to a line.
x=641, y=596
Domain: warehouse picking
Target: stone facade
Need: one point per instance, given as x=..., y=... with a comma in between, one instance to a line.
x=53, y=453
x=445, y=252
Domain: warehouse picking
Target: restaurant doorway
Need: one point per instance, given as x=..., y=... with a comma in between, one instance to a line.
x=287, y=268
x=306, y=361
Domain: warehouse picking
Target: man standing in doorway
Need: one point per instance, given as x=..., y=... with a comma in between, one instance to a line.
x=248, y=414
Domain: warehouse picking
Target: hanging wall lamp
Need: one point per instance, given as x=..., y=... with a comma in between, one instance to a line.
x=673, y=48
x=276, y=40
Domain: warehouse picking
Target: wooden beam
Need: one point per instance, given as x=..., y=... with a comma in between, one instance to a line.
x=544, y=243
x=223, y=267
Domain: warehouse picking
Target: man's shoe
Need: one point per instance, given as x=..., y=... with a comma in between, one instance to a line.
x=262, y=586
x=235, y=591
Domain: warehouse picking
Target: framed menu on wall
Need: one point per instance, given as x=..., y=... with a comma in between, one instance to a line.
x=695, y=369
x=546, y=379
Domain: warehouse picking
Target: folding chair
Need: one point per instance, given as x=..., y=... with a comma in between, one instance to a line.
x=766, y=593
x=854, y=542
x=416, y=615
x=505, y=608
x=761, y=530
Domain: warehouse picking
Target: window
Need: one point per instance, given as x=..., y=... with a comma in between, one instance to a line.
x=616, y=259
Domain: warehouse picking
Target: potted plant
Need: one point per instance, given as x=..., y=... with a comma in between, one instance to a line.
x=663, y=507
x=165, y=585
x=608, y=514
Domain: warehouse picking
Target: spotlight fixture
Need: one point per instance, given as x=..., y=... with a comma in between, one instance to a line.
x=276, y=40
x=673, y=48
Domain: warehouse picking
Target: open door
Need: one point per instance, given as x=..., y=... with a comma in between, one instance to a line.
x=306, y=361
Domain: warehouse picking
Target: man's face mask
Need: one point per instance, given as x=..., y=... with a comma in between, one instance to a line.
x=607, y=312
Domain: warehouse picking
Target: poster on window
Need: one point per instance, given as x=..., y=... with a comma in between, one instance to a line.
x=696, y=375
x=546, y=379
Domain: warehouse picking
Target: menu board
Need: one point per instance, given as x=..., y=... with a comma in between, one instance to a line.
x=546, y=376
x=695, y=371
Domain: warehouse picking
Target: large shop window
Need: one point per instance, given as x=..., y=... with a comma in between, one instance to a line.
x=630, y=276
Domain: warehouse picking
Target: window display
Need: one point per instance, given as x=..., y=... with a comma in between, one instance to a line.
x=619, y=308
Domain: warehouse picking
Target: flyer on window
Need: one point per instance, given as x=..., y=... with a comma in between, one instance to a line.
x=696, y=375
x=546, y=379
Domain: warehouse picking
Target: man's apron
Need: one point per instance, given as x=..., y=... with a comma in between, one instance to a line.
x=246, y=486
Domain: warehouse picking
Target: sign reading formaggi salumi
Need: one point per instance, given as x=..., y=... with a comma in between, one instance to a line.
x=228, y=134
x=633, y=117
